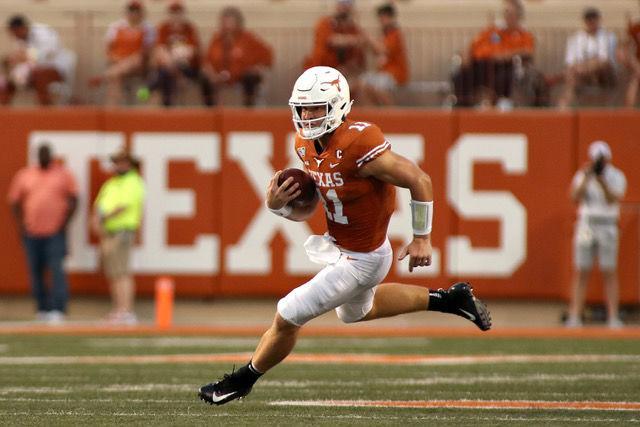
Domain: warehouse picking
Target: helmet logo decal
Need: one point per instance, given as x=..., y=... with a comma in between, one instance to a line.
x=335, y=83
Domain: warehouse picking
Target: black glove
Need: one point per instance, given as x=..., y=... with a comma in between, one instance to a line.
x=598, y=166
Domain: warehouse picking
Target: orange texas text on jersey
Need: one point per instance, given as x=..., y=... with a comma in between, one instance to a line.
x=357, y=209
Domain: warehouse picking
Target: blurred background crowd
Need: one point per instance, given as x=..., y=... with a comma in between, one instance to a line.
x=403, y=52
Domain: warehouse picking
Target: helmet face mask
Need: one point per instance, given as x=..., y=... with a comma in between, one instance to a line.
x=311, y=128
x=320, y=87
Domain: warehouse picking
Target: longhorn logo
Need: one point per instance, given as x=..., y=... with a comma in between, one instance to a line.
x=335, y=83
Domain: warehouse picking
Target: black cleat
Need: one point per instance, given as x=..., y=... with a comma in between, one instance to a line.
x=465, y=304
x=227, y=389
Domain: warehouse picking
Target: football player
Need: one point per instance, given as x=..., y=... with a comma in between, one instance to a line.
x=356, y=174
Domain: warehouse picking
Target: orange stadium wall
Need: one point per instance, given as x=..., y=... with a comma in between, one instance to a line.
x=503, y=219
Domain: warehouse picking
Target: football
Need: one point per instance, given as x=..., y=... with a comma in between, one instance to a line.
x=308, y=196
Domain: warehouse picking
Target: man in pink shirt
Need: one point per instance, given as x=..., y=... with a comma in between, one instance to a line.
x=43, y=199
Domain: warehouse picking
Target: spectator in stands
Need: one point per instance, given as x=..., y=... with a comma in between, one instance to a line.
x=501, y=55
x=589, y=58
x=517, y=80
x=129, y=43
x=236, y=56
x=468, y=67
x=629, y=56
x=339, y=42
x=177, y=53
x=116, y=218
x=37, y=61
x=391, y=60
x=43, y=199
x=597, y=188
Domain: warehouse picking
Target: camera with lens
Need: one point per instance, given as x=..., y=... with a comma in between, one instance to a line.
x=598, y=165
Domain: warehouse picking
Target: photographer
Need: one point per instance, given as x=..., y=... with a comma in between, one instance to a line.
x=597, y=189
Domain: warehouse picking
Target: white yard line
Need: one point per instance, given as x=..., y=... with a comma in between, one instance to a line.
x=287, y=416
x=468, y=404
x=171, y=342
x=234, y=342
x=149, y=387
x=102, y=400
x=465, y=380
x=322, y=358
x=122, y=359
x=312, y=384
x=499, y=379
x=109, y=388
x=18, y=390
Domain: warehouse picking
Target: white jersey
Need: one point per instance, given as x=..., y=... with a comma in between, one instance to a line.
x=43, y=45
x=583, y=46
x=593, y=204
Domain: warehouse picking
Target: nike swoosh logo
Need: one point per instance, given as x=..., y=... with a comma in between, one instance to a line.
x=351, y=259
x=218, y=398
x=469, y=315
x=333, y=165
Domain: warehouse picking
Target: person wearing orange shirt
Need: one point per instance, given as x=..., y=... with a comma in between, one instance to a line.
x=467, y=74
x=486, y=44
x=514, y=54
x=236, y=56
x=629, y=56
x=177, y=53
x=339, y=42
x=471, y=81
x=499, y=55
x=356, y=175
x=43, y=199
x=498, y=50
x=391, y=58
x=129, y=42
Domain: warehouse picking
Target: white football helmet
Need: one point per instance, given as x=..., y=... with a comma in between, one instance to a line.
x=320, y=86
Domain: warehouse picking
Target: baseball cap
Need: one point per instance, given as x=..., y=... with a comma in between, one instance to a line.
x=599, y=149
x=122, y=154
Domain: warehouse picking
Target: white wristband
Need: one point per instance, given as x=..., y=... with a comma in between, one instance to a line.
x=283, y=211
x=421, y=217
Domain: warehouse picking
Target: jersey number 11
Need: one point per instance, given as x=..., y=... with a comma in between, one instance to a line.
x=336, y=215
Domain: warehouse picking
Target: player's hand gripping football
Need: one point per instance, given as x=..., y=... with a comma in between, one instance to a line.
x=419, y=251
x=279, y=196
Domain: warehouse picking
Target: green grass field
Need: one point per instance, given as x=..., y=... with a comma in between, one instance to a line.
x=39, y=387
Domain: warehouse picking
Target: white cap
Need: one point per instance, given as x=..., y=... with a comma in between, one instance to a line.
x=599, y=149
